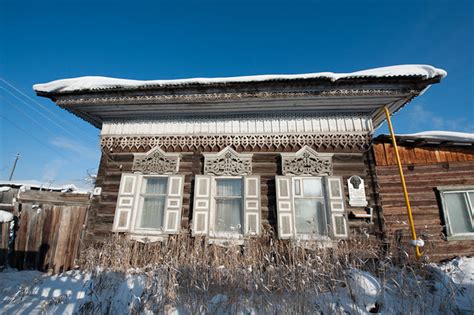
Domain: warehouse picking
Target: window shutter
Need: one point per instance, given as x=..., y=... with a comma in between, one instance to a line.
x=202, y=204
x=285, y=209
x=174, y=202
x=252, y=205
x=339, y=226
x=125, y=202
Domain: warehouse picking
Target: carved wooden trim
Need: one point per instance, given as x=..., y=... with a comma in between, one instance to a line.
x=306, y=162
x=201, y=97
x=227, y=162
x=156, y=161
x=271, y=142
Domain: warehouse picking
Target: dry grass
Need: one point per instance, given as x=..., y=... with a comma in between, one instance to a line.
x=275, y=274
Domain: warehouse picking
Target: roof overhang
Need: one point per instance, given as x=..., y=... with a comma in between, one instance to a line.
x=363, y=94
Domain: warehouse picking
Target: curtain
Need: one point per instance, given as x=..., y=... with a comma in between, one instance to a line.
x=458, y=213
x=154, y=198
x=229, y=210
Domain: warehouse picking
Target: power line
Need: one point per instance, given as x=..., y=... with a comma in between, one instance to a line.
x=34, y=137
x=44, y=126
x=32, y=100
x=44, y=115
x=36, y=102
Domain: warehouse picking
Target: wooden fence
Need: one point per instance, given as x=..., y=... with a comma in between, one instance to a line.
x=48, y=230
x=4, y=233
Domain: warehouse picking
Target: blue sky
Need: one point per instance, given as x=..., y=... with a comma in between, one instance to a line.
x=45, y=40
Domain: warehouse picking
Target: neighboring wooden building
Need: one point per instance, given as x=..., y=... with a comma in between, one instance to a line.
x=229, y=158
x=439, y=173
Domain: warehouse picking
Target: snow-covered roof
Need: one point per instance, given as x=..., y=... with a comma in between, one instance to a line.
x=442, y=135
x=101, y=83
x=40, y=185
x=5, y=216
x=434, y=137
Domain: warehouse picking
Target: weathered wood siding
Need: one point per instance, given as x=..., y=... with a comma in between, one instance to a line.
x=48, y=230
x=265, y=164
x=425, y=169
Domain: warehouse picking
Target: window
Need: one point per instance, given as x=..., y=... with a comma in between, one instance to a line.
x=226, y=207
x=152, y=203
x=310, y=207
x=310, y=212
x=149, y=204
x=458, y=207
x=228, y=201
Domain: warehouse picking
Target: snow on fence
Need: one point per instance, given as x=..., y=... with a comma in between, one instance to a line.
x=48, y=230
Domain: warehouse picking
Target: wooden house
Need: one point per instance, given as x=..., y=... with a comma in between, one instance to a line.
x=229, y=158
x=439, y=173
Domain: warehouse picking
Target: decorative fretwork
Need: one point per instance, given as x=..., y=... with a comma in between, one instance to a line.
x=156, y=161
x=227, y=162
x=202, y=97
x=271, y=142
x=306, y=162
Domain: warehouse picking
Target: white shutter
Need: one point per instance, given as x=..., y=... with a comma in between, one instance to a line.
x=202, y=204
x=285, y=208
x=337, y=215
x=252, y=205
x=125, y=202
x=173, y=205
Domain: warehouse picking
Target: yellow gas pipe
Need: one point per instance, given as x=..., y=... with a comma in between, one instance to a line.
x=402, y=178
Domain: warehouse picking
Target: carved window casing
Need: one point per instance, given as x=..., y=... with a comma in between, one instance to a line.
x=307, y=162
x=156, y=161
x=310, y=201
x=227, y=193
x=227, y=162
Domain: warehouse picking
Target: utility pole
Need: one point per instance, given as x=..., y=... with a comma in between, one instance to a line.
x=14, y=166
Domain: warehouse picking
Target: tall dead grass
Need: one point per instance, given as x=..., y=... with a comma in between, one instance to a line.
x=277, y=275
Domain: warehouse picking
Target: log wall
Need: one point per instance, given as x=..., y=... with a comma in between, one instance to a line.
x=265, y=164
x=425, y=168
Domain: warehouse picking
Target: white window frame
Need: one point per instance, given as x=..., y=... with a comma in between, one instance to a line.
x=139, y=207
x=324, y=198
x=130, y=203
x=465, y=190
x=213, y=210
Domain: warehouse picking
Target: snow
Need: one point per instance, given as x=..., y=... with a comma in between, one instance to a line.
x=4, y=188
x=5, y=216
x=98, y=82
x=442, y=135
x=28, y=184
x=448, y=288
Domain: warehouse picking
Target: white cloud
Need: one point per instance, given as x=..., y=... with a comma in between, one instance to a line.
x=52, y=169
x=79, y=149
x=419, y=118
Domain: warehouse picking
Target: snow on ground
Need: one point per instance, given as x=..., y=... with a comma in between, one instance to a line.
x=97, y=83
x=448, y=288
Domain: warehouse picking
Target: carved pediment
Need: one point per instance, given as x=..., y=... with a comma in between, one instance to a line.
x=306, y=162
x=227, y=162
x=156, y=161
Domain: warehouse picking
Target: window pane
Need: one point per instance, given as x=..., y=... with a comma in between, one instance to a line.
x=228, y=218
x=310, y=217
x=312, y=187
x=458, y=213
x=156, y=185
x=229, y=187
x=151, y=216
